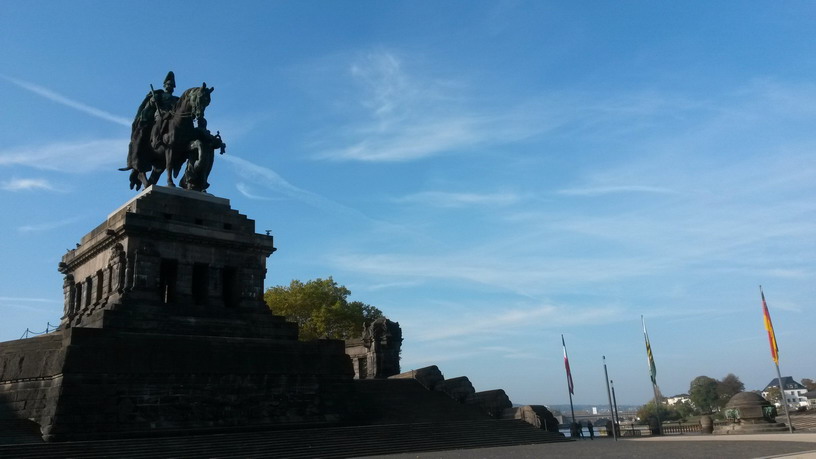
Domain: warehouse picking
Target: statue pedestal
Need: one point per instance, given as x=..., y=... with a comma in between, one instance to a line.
x=750, y=413
x=165, y=330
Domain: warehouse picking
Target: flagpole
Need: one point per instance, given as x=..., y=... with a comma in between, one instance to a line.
x=784, y=400
x=657, y=410
x=572, y=409
x=775, y=355
x=652, y=375
x=569, y=378
x=609, y=395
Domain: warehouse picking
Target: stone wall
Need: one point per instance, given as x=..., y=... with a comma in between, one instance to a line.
x=494, y=403
x=165, y=330
x=30, y=377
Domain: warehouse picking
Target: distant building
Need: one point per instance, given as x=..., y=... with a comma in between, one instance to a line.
x=681, y=398
x=794, y=392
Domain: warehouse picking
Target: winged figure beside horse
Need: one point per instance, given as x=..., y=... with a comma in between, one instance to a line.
x=164, y=138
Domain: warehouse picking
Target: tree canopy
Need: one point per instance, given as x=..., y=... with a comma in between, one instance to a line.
x=728, y=387
x=321, y=309
x=809, y=383
x=709, y=395
x=703, y=394
x=665, y=412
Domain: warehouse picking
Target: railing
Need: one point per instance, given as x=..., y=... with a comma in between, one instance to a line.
x=48, y=329
x=681, y=428
x=638, y=430
x=634, y=431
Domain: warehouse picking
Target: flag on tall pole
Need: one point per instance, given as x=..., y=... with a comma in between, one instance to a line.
x=649, y=356
x=569, y=384
x=567, y=366
x=775, y=355
x=653, y=376
x=769, y=328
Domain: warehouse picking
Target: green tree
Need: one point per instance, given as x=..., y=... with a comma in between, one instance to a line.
x=728, y=387
x=703, y=394
x=321, y=309
x=684, y=409
x=666, y=412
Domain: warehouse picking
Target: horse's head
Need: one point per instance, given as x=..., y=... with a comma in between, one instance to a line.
x=198, y=99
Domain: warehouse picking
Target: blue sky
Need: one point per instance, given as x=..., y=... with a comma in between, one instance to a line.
x=489, y=174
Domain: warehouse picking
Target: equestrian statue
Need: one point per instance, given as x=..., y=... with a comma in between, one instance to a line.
x=164, y=138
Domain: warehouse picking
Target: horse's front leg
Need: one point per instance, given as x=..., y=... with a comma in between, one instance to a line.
x=142, y=177
x=137, y=179
x=154, y=176
x=169, y=167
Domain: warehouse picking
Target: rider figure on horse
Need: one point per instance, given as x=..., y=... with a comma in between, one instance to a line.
x=164, y=137
x=156, y=104
x=164, y=98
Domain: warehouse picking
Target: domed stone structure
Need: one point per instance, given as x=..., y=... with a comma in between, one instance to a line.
x=750, y=413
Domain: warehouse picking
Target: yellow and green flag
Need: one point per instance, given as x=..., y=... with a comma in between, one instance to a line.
x=649, y=356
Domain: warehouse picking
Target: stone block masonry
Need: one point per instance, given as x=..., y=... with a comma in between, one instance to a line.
x=165, y=330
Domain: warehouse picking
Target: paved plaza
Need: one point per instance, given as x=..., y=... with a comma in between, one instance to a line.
x=777, y=445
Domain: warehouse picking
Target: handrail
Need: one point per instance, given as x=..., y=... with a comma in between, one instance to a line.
x=48, y=329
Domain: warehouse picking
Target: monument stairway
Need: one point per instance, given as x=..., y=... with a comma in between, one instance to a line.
x=400, y=415
x=334, y=442
x=401, y=401
x=18, y=431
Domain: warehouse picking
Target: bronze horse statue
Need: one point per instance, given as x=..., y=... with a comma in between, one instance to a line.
x=167, y=147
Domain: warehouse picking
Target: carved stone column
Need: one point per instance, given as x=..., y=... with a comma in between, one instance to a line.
x=68, y=294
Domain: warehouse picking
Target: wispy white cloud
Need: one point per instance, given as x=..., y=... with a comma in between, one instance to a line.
x=449, y=199
x=602, y=190
x=27, y=300
x=682, y=212
x=267, y=178
x=16, y=184
x=29, y=304
x=69, y=157
x=47, y=226
x=390, y=285
x=487, y=326
x=411, y=117
x=509, y=352
x=245, y=190
x=530, y=274
x=60, y=99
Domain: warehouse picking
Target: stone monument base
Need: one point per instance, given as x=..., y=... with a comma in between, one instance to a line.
x=91, y=383
x=750, y=413
x=165, y=331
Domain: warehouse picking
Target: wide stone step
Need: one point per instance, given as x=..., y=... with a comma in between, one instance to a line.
x=337, y=442
x=402, y=401
x=19, y=431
